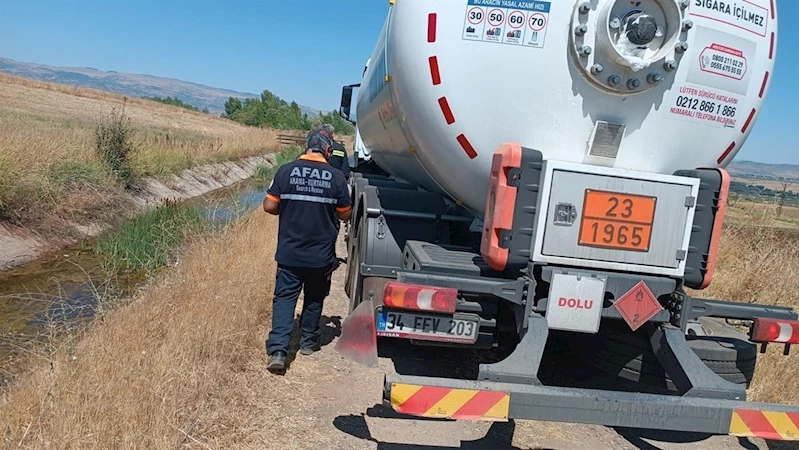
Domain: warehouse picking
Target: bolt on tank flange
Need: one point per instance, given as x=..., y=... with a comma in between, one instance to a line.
x=614, y=40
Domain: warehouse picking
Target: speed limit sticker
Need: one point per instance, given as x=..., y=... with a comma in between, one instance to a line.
x=512, y=22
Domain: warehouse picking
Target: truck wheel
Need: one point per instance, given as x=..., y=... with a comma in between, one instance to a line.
x=354, y=278
x=352, y=249
x=726, y=352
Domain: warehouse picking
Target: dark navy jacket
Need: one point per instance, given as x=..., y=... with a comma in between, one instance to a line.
x=310, y=193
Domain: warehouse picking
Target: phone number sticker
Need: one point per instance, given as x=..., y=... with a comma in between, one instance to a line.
x=510, y=22
x=725, y=61
x=704, y=106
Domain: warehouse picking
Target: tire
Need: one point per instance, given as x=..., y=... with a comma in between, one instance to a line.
x=354, y=278
x=618, y=351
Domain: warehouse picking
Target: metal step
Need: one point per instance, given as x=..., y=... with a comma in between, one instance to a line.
x=427, y=257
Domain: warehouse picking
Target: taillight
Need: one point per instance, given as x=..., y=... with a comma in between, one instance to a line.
x=424, y=298
x=773, y=330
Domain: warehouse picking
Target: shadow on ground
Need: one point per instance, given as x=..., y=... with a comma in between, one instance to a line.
x=499, y=436
x=636, y=437
x=330, y=330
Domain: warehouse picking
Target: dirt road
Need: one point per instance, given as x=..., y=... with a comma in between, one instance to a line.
x=327, y=402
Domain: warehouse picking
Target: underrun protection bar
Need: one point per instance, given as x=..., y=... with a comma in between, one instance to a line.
x=480, y=400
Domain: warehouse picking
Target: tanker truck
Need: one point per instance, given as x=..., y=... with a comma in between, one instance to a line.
x=527, y=170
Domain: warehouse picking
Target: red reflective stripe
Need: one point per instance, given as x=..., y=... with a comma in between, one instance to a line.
x=726, y=152
x=431, y=27
x=748, y=121
x=446, y=110
x=423, y=400
x=794, y=418
x=758, y=424
x=434, y=73
x=467, y=146
x=478, y=405
x=773, y=11
x=763, y=86
x=771, y=49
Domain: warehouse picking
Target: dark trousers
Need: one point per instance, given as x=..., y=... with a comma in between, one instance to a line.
x=288, y=284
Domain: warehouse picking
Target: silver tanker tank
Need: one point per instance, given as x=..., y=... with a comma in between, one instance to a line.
x=650, y=85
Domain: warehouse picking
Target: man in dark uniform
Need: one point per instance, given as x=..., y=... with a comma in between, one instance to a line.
x=339, y=158
x=310, y=197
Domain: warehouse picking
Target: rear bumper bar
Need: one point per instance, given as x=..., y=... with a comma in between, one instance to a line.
x=488, y=400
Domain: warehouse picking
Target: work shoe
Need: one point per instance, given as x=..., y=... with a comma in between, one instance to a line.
x=308, y=350
x=277, y=362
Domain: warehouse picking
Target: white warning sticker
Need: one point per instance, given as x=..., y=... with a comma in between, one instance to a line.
x=512, y=22
x=743, y=14
x=705, y=106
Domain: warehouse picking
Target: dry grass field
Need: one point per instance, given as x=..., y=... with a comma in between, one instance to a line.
x=759, y=264
x=762, y=215
x=43, y=124
x=50, y=173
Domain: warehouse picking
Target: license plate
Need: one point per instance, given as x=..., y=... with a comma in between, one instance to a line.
x=575, y=303
x=617, y=221
x=426, y=327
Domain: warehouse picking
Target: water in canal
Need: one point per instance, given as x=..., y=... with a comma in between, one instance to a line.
x=63, y=289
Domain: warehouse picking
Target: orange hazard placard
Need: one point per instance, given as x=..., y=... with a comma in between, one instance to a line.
x=617, y=221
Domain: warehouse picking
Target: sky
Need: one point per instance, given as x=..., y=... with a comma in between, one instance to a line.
x=302, y=50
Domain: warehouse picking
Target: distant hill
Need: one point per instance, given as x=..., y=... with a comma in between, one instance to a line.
x=756, y=170
x=134, y=85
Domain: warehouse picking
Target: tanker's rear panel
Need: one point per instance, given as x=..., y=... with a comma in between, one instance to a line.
x=651, y=85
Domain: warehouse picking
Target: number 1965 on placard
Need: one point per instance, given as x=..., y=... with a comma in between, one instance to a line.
x=617, y=221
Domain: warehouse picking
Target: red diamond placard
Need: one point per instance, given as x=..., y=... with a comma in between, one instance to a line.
x=637, y=306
